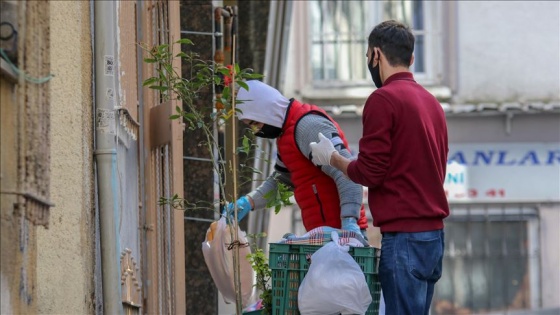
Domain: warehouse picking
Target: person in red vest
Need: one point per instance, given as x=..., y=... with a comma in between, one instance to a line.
x=325, y=196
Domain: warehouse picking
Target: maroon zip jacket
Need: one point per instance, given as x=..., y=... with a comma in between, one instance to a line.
x=402, y=157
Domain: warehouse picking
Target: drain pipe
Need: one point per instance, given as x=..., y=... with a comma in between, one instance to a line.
x=105, y=153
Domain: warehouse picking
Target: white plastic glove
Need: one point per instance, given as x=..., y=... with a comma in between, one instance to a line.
x=322, y=151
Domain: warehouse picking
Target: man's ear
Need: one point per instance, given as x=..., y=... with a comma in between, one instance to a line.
x=379, y=53
x=411, y=60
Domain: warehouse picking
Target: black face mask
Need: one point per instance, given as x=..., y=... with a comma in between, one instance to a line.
x=269, y=132
x=374, y=71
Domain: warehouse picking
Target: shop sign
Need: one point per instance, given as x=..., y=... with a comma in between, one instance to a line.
x=503, y=172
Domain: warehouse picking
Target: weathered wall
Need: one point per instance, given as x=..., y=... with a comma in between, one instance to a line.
x=500, y=42
x=65, y=254
x=24, y=172
x=17, y=235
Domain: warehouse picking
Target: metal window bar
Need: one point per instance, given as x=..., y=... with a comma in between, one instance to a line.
x=156, y=157
x=163, y=283
x=326, y=42
x=160, y=32
x=216, y=37
x=322, y=38
x=168, y=254
x=340, y=41
x=332, y=13
x=336, y=46
x=164, y=230
x=496, y=244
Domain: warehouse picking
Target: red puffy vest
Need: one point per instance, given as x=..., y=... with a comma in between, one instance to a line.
x=315, y=192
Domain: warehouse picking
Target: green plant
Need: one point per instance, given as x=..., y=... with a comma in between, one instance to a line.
x=259, y=262
x=202, y=77
x=279, y=197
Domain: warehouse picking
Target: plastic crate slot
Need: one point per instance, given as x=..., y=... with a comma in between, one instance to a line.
x=290, y=262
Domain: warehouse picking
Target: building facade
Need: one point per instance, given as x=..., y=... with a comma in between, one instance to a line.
x=25, y=133
x=504, y=130
x=87, y=153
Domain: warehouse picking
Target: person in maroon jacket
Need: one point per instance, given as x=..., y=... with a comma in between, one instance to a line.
x=402, y=159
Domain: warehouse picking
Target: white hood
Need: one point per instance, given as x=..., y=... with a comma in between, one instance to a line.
x=262, y=103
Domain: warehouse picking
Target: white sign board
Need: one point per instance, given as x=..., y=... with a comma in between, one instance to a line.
x=503, y=172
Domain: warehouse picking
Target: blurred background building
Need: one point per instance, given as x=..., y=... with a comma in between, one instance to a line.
x=495, y=67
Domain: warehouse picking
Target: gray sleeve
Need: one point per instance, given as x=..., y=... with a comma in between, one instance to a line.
x=350, y=193
x=270, y=184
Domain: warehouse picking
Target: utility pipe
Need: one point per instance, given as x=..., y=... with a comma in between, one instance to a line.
x=105, y=60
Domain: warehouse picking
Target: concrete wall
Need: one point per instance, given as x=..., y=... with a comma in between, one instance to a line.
x=544, y=127
x=508, y=50
x=65, y=251
x=8, y=176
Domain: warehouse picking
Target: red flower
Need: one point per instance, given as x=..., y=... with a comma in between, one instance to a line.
x=228, y=78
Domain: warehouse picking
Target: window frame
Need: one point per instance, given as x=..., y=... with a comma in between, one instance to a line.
x=499, y=213
x=432, y=42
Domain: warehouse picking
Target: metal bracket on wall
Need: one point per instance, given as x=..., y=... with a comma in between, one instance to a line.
x=509, y=118
x=130, y=286
x=36, y=208
x=130, y=125
x=149, y=227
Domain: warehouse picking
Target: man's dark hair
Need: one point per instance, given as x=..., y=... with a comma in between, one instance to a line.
x=395, y=40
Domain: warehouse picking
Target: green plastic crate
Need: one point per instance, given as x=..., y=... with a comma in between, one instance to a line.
x=289, y=264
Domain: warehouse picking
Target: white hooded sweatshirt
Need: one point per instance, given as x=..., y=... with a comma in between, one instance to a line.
x=262, y=103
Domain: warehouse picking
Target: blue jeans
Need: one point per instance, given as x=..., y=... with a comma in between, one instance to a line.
x=409, y=267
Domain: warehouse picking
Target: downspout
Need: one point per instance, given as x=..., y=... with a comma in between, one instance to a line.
x=105, y=59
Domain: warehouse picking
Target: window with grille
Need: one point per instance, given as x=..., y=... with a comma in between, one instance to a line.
x=491, y=261
x=164, y=273
x=339, y=31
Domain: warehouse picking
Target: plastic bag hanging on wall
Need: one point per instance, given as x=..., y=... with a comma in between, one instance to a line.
x=218, y=256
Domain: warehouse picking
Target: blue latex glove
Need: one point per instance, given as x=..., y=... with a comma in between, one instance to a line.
x=351, y=224
x=243, y=207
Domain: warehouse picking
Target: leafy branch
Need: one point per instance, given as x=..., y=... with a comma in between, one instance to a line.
x=259, y=261
x=204, y=75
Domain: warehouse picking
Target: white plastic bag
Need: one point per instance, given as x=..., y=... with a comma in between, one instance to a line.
x=334, y=283
x=219, y=260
